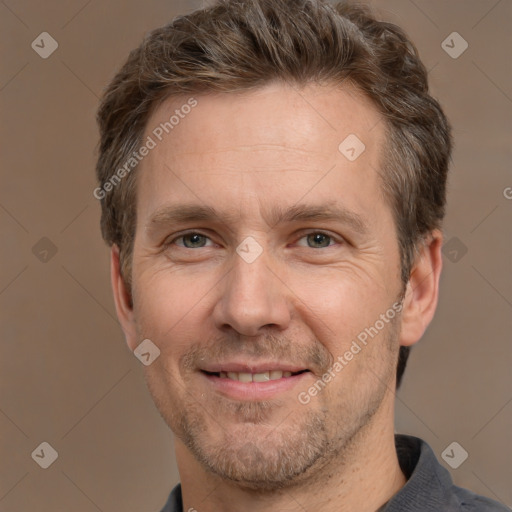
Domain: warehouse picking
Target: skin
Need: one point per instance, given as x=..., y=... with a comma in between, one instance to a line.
x=301, y=302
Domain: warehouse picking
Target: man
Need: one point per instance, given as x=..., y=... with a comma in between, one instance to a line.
x=272, y=181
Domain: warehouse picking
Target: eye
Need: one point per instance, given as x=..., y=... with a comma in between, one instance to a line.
x=318, y=240
x=192, y=240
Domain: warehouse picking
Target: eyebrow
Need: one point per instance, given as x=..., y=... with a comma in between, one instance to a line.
x=188, y=213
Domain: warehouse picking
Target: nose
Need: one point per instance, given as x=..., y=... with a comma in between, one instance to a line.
x=252, y=297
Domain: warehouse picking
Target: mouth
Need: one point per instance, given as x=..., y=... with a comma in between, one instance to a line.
x=256, y=385
x=264, y=376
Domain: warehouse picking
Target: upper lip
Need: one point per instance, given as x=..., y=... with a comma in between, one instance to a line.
x=252, y=367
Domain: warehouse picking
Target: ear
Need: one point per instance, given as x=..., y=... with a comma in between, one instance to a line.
x=123, y=300
x=422, y=291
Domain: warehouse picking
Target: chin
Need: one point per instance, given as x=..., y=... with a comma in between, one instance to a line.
x=258, y=457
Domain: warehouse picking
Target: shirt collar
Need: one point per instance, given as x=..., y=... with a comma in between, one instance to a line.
x=427, y=488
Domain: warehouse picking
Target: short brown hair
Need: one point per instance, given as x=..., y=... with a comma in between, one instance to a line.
x=240, y=45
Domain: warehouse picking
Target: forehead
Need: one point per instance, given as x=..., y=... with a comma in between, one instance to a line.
x=312, y=114
x=276, y=144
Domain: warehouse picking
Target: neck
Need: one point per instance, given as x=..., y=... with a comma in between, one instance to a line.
x=368, y=477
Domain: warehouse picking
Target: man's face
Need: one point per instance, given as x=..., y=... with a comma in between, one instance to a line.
x=254, y=293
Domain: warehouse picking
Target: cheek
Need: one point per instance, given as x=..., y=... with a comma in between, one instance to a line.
x=170, y=311
x=339, y=305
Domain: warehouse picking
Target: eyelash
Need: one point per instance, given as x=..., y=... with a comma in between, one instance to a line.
x=166, y=244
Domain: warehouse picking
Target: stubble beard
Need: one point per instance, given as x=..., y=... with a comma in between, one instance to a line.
x=298, y=450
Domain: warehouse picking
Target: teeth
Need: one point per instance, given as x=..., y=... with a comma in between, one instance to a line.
x=245, y=377
x=260, y=377
x=255, y=377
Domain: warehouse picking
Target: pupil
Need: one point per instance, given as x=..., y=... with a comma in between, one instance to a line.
x=194, y=239
x=318, y=237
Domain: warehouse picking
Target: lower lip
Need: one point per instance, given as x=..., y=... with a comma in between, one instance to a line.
x=253, y=390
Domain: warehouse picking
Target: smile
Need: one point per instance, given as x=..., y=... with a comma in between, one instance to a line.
x=258, y=384
x=255, y=377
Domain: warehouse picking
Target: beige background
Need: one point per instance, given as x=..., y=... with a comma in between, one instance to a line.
x=66, y=375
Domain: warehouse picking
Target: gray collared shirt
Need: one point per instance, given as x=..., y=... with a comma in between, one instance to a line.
x=429, y=486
